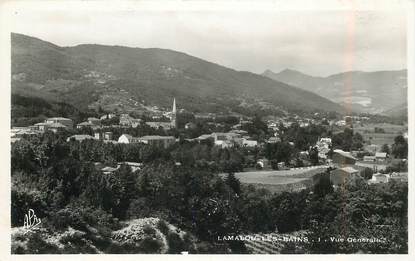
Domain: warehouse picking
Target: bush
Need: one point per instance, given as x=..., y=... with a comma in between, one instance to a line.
x=139, y=208
x=366, y=173
x=163, y=227
x=35, y=244
x=150, y=245
x=176, y=244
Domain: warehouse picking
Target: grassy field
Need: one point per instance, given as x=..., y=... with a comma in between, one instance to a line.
x=280, y=180
x=379, y=138
x=391, y=131
x=389, y=128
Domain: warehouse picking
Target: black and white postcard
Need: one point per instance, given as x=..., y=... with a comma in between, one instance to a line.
x=207, y=127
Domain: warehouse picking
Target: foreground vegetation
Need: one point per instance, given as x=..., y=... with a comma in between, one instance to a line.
x=83, y=210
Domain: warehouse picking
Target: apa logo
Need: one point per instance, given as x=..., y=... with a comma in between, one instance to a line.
x=31, y=221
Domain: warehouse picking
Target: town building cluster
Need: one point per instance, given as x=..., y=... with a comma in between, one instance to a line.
x=347, y=165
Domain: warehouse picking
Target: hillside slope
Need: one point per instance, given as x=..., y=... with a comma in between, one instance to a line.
x=368, y=91
x=125, y=79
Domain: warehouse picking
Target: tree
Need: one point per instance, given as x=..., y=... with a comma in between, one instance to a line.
x=233, y=182
x=274, y=164
x=367, y=173
x=313, y=154
x=324, y=185
x=357, y=142
x=400, y=147
x=385, y=148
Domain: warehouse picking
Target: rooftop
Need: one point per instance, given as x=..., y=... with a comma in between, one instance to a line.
x=128, y=136
x=380, y=154
x=344, y=153
x=156, y=137
x=58, y=118
x=349, y=169
x=56, y=125
x=85, y=123
x=80, y=137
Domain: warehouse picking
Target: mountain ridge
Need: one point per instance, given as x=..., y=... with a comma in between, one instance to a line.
x=131, y=78
x=375, y=92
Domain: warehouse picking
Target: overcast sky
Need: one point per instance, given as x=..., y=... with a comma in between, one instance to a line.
x=315, y=42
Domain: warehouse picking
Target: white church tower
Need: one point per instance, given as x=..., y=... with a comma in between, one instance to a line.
x=173, y=115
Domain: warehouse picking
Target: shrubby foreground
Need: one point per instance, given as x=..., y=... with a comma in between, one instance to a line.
x=166, y=208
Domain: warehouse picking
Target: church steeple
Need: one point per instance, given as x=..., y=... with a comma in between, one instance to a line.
x=174, y=106
x=173, y=115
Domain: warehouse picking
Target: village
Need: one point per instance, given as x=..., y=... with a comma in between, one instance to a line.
x=372, y=163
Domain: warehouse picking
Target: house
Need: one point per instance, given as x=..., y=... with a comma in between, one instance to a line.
x=15, y=130
x=128, y=121
x=94, y=121
x=159, y=141
x=369, y=158
x=343, y=176
x=325, y=141
x=379, y=178
x=341, y=123
x=87, y=124
x=380, y=156
x=249, y=143
x=204, y=137
x=223, y=143
x=23, y=131
x=357, y=153
x=53, y=124
x=126, y=138
x=103, y=135
x=399, y=177
x=13, y=140
x=263, y=163
x=341, y=157
x=304, y=155
x=107, y=116
x=91, y=122
x=273, y=140
x=281, y=165
x=55, y=127
x=225, y=136
x=190, y=126
x=229, y=139
x=109, y=170
x=80, y=137
x=67, y=123
x=41, y=126
x=133, y=165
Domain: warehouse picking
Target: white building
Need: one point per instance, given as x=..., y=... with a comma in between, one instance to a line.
x=249, y=143
x=126, y=138
x=379, y=178
x=380, y=156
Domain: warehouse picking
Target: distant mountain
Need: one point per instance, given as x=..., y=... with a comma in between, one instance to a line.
x=132, y=79
x=368, y=91
x=30, y=110
x=400, y=111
